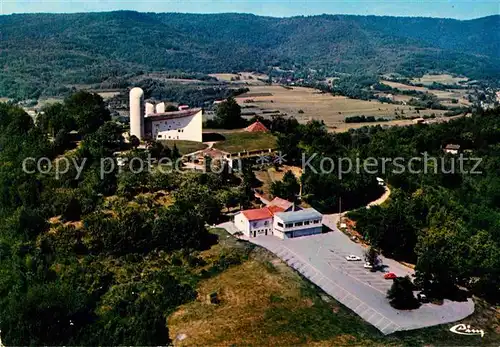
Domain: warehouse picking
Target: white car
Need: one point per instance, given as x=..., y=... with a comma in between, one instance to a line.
x=368, y=266
x=352, y=258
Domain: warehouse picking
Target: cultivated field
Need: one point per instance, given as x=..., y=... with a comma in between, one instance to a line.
x=108, y=95
x=444, y=95
x=442, y=78
x=251, y=78
x=307, y=104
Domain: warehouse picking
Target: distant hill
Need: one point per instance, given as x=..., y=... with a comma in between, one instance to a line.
x=46, y=53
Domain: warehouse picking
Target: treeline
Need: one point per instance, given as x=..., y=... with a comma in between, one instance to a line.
x=97, y=259
x=192, y=95
x=364, y=119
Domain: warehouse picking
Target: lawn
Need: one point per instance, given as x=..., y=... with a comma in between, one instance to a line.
x=246, y=141
x=185, y=147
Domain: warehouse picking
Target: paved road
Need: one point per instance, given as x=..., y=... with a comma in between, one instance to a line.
x=320, y=258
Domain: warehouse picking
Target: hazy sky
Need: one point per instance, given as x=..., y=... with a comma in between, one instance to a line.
x=460, y=9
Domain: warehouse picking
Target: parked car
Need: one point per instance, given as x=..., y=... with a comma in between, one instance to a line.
x=368, y=266
x=422, y=297
x=352, y=258
x=354, y=239
x=390, y=276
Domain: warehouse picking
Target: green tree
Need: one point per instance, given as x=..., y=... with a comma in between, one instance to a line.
x=88, y=110
x=288, y=188
x=371, y=257
x=400, y=294
x=228, y=114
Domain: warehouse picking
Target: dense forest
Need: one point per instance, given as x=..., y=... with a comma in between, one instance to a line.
x=48, y=54
x=93, y=259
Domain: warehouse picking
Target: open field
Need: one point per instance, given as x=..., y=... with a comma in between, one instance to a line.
x=246, y=141
x=402, y=86
x=444, y=95
x=47, y=101
x=442, y=78
x=251, y=78
x=185, y=147
x=264, y=302
x=322, y=106
x=108, y=95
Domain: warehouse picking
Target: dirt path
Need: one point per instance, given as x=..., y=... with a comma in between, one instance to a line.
x=382, y=199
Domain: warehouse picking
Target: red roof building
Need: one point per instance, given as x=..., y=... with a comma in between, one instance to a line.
x=257, y=214
x=256, y=128
x=275, y=209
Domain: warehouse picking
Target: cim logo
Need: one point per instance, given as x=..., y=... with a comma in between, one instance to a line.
x=464, y=329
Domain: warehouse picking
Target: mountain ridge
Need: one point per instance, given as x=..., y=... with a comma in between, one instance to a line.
x=43, y=52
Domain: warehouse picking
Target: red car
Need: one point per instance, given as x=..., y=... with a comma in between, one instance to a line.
x=390, y=276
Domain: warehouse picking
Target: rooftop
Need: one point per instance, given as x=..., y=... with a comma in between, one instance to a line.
x=452, y=146
x=297, y=216
x=262, y=213
x=172, y=115
x=256, y=127
x=256, y=214
x=275, y=209
x=282, y=203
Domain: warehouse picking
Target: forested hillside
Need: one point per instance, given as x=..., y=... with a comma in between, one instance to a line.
x=49, y=53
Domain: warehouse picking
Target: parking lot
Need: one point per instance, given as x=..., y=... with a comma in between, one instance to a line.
x=321, y=259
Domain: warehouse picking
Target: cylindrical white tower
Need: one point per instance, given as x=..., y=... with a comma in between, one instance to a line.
x=160, y=108
x=150, y=108
x=137, y=113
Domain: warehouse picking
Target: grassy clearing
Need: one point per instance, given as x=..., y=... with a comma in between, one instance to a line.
x=246, y=141
x=269, y=175
x=263, y=302
x=185, y=147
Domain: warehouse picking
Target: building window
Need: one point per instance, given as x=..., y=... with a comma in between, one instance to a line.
x=266, y=223
x=254, y=224
x=299, y=224
x=289, y=225
x=306, y=222
x=159, y=136
x=280, y=224
x=316, y=221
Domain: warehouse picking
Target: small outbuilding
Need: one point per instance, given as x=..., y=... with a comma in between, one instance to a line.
x=451, y=148
x=256, y=127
